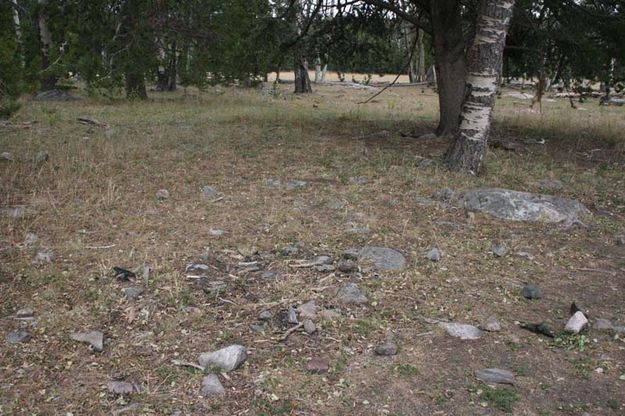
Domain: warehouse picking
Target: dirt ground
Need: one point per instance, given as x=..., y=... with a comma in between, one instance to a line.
x=93, y=205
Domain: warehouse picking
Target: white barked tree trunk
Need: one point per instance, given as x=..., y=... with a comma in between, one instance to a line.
x=485, y=59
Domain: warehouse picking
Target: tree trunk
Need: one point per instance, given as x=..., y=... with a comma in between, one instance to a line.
x=485, y=61
x=450, y=62
x=48, y=80
x=420, y=57
x=317, y=70
x=302, y=80
x=172, y=72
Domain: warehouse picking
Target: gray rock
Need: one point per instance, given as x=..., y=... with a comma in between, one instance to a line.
x=308, y=310
x=603, y=324
x=491, y=325
x=532, y=292
x=318, y=365
x=462, y=331
x=443, y=195
x=549, y=184
x=495, y=375
x=351, y=294
x=309, y=326
x=162, y=194
x=273, y=183
x=350, y=254
x=434, y=254
x=94, y=338
x=24, y=313
x=576, y=323
x=211, y=386
x=44, y=257
x=383, y=258
x=265, y=316
x=347, y=266
x=15, y=337
x=291, y=316
x=499, y=249
x=291, y=250
x=228, y=359
x=325, y=268
x=322, y=260
x=358, y=180
x=133, y=292
x=295, y=184
x=386, y=348
x=209, y=192
x=6, y=156
x=260, y=328
x=30, y=240
x=522, y=206
x=121, y=387
x=216, y=232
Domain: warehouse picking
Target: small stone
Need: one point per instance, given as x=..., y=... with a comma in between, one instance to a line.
x=260, y=328
x=499, y=249
x=386, y=348
x=495, y=375
x=211, y=386
x=133, y=293
x=273, y=183
x=215, y=232
x=322, y=260
x=351, y=254
x=576, y=323
x=162, y=194
x=30, y=240
x=308, y=310
x=309, y=327
x=318, y=365
x=292, y=316
x=44, y=257
x=358, y=180
x=291, y=250
x=324, y=268
x=24, y=313
x=531, y=292
x=462, y=331
x=121, y=387
x=434, y=254
x=209, y=192
x=491, y=325
x=15, y=337
x=295, y=184
x=351, y=294
x=347, y=266
x=383, y=258
x=94, y=338
x=265, y=316
x=228, y=359
x=6, y=156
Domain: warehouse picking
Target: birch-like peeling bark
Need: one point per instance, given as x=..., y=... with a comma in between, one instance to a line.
x=484, y=68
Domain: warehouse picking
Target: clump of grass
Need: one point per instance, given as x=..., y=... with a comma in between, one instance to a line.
x=502, y=398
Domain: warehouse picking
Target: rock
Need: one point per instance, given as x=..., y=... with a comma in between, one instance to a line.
x=522, y=206
x=322, y=260
x=434, y=254
x=133, y=293
x=211, y=386
x=620, y=240
x=6, y=156
x=462, y=331
x=358, y=180
x=44, y=257
x=121, y=387
x=347, y=266
x=386, y=348
x=215, y=232
x=351, y=294
x=318, y=365
x=499, y=249
x=351, y=254
x=291, y=250
x=265, y=316
x=94, y=338
x=273, y=183
x=295, y=184
x=491, y=325
x=228, y=359
x=532, y=292
x=260, y=328
x=495, y=375
x=15, y=337
x=209, y=192
x=291, y=316
x=383, y=258
x=308, y=310
x=603, y=324
x=162, y=194
x=24, y=313
x=324, y=268
x=576, y=323
x=30, y=240
x=309, y=327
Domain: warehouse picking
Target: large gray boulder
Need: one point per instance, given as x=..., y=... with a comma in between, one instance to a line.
x=228, y=359
x=523, y=206
x=383, y=258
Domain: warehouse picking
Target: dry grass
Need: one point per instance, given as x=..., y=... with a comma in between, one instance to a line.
x=95, y=207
